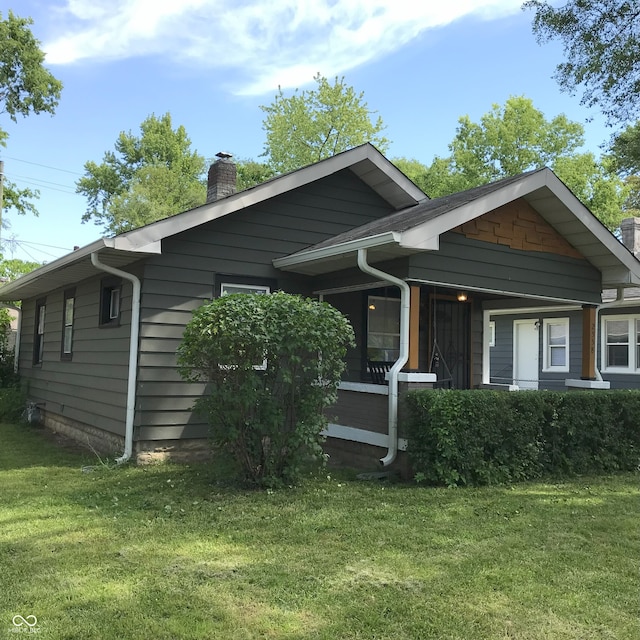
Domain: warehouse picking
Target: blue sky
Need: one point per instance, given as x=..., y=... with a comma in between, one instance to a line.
x=212, y=63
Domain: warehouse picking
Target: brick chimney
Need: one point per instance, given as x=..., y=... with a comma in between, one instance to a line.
x=630, y=228
x=221, y=179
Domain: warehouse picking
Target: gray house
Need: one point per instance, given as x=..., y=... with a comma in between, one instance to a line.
x=552, y=338
x=421, y=280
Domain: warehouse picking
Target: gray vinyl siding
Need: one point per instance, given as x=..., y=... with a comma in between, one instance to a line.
x=476, y=345
x=91, y=387
x=243, y=244
x=501, y=355
x=471, y=263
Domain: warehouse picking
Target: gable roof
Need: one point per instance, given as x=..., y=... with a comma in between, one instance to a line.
x=126, y=248
x=419, y=228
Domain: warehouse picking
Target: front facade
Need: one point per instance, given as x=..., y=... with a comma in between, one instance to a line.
x=429, y=287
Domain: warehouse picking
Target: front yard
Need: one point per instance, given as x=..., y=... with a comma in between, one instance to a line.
x=170, y=552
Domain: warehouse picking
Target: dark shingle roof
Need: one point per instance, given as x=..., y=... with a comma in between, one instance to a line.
x=418, y=214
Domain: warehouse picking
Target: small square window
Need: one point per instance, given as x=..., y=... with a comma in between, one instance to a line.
x=110, y=298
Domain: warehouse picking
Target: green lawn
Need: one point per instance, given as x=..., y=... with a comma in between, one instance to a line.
x=168, y=552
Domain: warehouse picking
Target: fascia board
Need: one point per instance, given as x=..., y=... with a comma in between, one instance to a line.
x=592, y=224
x=60, y=263
x=325, y=253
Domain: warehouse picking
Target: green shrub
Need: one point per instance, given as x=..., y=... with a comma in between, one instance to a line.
x=272, y=364
x=13, y=401
x=488, y=437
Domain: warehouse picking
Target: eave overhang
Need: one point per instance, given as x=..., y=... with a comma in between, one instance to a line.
x=75, y=267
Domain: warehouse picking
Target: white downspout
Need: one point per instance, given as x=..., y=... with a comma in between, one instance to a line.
x=16, y=348
x=133, y=353
x=403, y=356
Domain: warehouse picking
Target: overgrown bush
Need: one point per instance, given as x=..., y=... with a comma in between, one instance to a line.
x=8, y=377
x=13, y=401
x=489, y=437
x=12, y=397
x=273, y=363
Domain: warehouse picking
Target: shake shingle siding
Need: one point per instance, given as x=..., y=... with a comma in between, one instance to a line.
x=242, y=244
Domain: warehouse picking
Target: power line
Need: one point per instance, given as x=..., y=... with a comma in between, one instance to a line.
x=43, y=183
x=46, y=166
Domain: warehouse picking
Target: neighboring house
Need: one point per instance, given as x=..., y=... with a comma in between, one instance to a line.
x=540, y=346
x=419, y=279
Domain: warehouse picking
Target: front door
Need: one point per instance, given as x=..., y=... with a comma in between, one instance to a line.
x=525, y=353
x=450, y=343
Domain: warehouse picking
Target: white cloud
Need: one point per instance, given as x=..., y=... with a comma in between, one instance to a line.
x=265, y=42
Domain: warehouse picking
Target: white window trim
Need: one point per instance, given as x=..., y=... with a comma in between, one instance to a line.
x=547, y=367
x=114, y=303
x=250, y=288
x=492, y=333
x=633, y=366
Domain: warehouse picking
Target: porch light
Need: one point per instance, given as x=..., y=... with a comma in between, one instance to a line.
x=372, y=307
x=462, y=296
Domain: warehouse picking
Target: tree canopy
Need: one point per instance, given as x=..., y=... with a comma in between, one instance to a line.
x=601, y=40
x=515, y=138
x=14, y=268
x=26, y=87
x=148, y=177
x=316, y=124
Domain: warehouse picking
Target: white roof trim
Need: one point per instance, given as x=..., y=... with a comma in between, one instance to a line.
x=332, y=251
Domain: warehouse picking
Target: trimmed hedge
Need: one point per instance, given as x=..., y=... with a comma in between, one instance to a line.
x=492, y=437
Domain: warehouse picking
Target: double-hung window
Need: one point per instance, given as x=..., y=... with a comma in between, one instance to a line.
x=68, y=312
x=621, y=344
x=556, y=344
x=38, y=336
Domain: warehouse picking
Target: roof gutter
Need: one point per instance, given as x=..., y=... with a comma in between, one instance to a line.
x=365, y=267
x=332, y=251
x=133, y=352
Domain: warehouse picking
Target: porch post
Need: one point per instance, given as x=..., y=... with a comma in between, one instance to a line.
x=588, y=342
x=414, y=329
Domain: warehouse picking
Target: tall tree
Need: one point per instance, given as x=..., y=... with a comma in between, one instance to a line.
x=146, y=178
x=601, y=40
x=313, y=125
x=625, y=149
x=625, y=154
x=26, y=87
x=516, y=138
x=14, y=268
